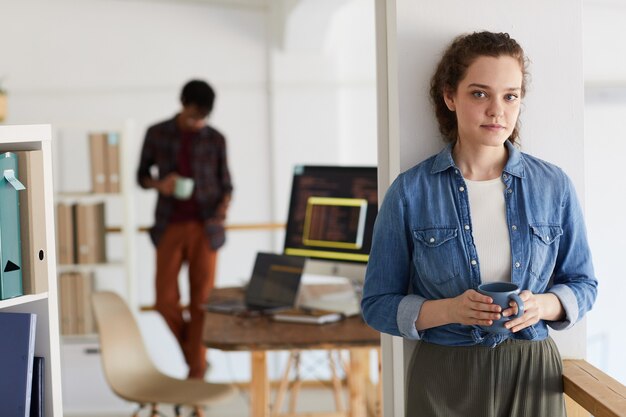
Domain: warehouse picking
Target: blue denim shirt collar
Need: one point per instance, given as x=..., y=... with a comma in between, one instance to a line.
x=514, y=166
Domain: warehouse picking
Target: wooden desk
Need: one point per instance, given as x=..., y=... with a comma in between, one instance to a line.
x=261, y=334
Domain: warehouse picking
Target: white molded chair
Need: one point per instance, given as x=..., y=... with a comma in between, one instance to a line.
x=130, y=371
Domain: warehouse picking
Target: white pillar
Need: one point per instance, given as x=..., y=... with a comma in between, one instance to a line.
x=411, y=36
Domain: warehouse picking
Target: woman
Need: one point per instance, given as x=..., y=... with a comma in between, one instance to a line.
x=480, y=211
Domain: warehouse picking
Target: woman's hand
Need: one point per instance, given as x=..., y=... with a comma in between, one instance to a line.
x=473, y=308
x=536, y=307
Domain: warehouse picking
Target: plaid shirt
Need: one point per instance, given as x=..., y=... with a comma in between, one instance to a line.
x=212, y=179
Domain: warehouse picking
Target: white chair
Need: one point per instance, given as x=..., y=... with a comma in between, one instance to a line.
x=130, y=372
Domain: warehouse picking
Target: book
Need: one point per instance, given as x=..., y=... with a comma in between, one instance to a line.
x=10, y=246
x=67, y=303
x=98, y=153
x=82, y=291
x=113, y=162
x=65, y=234
x=312, y=316
x=33, y=222
x=38, y=391
x=17, y=351
x=90, y=229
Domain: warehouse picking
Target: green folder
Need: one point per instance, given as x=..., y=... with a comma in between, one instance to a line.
x=10, y=245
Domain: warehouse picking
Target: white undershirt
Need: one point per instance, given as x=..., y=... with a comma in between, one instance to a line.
x=489, y=229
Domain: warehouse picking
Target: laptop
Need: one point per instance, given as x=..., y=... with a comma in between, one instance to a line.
x=273, y=286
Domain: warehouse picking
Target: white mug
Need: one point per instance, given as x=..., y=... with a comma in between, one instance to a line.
x=183, y=188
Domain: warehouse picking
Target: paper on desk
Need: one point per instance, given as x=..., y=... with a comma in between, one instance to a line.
x=340, y=298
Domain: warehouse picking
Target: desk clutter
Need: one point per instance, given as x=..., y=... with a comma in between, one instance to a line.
x=305, y=315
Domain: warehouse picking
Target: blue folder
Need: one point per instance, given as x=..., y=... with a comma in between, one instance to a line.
x=10, y=244
x=17, y=350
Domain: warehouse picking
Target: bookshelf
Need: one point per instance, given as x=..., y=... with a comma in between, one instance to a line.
x=85, y=389
x=43, y=303
x=74, y=186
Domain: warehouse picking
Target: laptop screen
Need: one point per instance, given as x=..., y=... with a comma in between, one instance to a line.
x=275, y=280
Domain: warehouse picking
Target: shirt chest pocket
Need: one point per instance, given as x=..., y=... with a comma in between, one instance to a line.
x=544, y=247
x=436, y=254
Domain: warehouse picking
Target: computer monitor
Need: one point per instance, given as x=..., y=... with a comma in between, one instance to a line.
x=331, y=218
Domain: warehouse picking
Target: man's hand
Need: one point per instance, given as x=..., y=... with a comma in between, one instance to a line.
x=167, y=185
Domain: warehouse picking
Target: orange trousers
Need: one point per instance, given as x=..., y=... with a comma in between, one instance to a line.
x=185, y=242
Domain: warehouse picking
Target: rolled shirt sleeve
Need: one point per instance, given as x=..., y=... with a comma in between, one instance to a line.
x=408, y=312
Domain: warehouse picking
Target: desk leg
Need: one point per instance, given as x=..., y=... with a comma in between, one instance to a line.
x=259, y=386
x=359, y=362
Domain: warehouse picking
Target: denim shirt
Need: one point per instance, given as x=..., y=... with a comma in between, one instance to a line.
x=423, y=248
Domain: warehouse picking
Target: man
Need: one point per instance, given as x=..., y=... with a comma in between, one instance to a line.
x=189, y=222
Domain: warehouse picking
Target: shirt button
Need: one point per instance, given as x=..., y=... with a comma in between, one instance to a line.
x=431, y=240
x=461, y=189
x=505, y=176
x=548, y=237
x=456, y=171
x=467, y=227
x=514, y=227
x=473, y=262
x=517, y=264
x=509, y=191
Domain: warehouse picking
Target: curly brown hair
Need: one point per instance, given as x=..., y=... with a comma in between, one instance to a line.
x=453, y=66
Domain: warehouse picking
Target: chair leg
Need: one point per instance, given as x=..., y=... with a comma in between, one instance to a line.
x=177, y=410
x=295, y=386
x=284, y=382
x=139, y=409
x=156, y=412
x=337, y=389
x=198, y=412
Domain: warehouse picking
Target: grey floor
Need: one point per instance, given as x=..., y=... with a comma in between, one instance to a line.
x=309, y=399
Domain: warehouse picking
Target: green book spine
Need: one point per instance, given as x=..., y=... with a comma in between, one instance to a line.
x=10, y=243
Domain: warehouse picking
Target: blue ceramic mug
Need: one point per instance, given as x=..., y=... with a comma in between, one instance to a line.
x=502, y=293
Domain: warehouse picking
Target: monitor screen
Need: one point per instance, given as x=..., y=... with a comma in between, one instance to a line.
x=332, y=212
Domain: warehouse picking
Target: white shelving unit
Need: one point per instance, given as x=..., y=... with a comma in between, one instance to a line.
x=86, y=391
x=122, y=201
x=28, y=138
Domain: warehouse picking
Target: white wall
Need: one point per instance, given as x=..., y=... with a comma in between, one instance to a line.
x=605, y=145
x=552, y=117
x=324, y=90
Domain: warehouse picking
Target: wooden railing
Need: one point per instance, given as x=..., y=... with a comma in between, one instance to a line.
x=589, y=390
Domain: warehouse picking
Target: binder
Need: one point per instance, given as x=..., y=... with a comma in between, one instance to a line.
x=17, y=348
x=67, y=300
x=77, y=283
x=33, y=222
x=65, y=234
x=99, y=234
x=113, y=162
x=38, y=391
x=90, y=233
x=97, y=153
x=85, y=300
x=10, y=246
x=83, y=288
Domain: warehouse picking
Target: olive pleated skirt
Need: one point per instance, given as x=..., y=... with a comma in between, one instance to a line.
x=518, y=378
